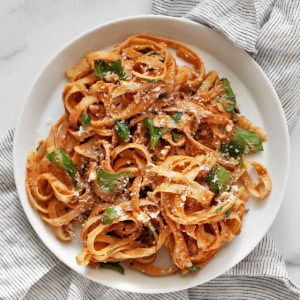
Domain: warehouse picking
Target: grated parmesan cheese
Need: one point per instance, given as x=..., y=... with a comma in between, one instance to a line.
x=92, y=176
x=183, y=197
x=154, y=215
x=142, y=217
x=80, y=131
x=215, y=179
x=119, y=211
x=228, y=128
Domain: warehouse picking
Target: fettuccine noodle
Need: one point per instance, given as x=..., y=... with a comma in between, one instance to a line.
x=149, y=154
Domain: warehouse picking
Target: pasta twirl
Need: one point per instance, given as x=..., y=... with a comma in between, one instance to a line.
x=149, y=154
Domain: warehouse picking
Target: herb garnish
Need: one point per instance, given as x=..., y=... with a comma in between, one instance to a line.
x=109, y=215
x=61, y=159
x=112, y=266
x=243, y=141
x=152, y=231
x=219, y=209
x=156, y=53
x=227, y=213
x=177, y=116
x=101, y=68
x=175, y=136
x=122, y=130
x=235, y=149
x=194, y=268
x=86, y=120
x=228, y=99
x=218, y=179
x=112, y=182
x=252, y=140
x=155, y=132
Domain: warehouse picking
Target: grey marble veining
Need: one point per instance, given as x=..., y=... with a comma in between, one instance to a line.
x=30, y=6
x=13, y=52
x=32, y=31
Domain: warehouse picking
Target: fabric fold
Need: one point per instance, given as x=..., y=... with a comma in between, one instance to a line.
x=236, y=19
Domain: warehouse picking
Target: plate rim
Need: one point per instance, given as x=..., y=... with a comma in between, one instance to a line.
x=113, y=22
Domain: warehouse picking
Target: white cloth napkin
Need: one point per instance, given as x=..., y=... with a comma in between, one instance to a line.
x=270, y=31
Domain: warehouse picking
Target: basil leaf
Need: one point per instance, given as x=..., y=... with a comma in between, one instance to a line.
x=112, y=266
x=228, y=99
x=243, y=142
x=228, y=212
x=218, y=179
x=219, y=209
x=154, y=81
x=61, y=159
x=252, y=140
x=235, y=149
x=240, y=160
x=194, y=268
x=86, y=120
x=149, y=124
x=109, y=215
x=156, y=53
x=152, y=231
x=175, y=136
x=155, y=132
x=229, y=90
x=101, y=68
x=226, y=103
x=122, y=130
x=111, y=182
x=177, y=116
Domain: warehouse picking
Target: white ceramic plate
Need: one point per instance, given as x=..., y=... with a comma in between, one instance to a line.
x=257, y=100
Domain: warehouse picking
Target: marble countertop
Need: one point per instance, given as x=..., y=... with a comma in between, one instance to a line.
x=31, y=32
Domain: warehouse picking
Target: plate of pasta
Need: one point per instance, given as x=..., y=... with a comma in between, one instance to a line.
x=151, y=154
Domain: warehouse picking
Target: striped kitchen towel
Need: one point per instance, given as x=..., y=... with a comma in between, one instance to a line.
x=269, y=30
x=28, y=270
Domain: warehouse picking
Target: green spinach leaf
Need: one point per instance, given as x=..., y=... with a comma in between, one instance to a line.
x=175, y=136
x=252, y=140
x=86, y=120
x=177, y=116
x=194, y=268
x=218, y=179
x=115, y=266
x=61, y=159
x=228, y=99
x=227, y=213
x=109, y=215
x=122, y=130
x=111, y=182
x=102, y=68
x=155, y=132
